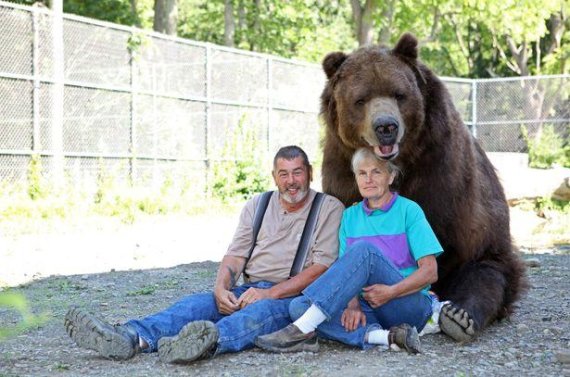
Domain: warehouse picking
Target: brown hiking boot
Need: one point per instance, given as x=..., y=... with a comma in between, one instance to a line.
x=117, y=342
x=288, y=339
x=196, y=340
x=406, y=337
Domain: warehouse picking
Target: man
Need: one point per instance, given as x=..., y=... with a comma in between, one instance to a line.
x=230, y=318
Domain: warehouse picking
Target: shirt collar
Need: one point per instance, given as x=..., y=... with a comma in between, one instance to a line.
x=384, y=208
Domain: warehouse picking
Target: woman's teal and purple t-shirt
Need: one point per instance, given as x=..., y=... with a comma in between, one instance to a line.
x=399, y=229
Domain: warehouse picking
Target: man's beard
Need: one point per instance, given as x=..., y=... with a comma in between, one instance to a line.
x=301, y=194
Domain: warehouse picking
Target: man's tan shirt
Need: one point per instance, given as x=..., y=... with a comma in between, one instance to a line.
x=279, y=236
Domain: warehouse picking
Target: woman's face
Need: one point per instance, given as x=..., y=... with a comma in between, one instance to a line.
x=373, y=179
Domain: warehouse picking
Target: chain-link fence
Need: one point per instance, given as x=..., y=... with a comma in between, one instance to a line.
x=87, y=95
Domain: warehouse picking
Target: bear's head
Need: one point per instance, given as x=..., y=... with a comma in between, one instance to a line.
x=375, y=97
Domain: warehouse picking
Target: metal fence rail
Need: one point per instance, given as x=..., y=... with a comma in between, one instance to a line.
x=88, y=95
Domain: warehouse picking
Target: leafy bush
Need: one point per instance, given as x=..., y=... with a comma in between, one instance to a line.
x=37, y=187
x=547, y=148
x=18, y=303
x=243, y=170
x=549, y=204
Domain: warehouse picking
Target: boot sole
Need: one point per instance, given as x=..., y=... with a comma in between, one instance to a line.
x=192, y=342
x=299, y=347
x=89, y=332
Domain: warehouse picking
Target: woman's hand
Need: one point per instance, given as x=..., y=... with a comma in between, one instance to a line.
x=353, y=316
x=378, y=294
x=252, y=295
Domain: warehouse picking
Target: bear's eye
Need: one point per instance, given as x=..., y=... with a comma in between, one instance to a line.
x=399, y=96
x=360, y=102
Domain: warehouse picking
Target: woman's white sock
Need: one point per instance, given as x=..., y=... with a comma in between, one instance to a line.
x=378, y=337
x=309, y=321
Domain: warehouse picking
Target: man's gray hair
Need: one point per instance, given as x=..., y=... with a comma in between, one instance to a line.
x=362, y=154
x=291, y=152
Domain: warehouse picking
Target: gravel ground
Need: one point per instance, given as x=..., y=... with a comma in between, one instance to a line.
x=535, y=342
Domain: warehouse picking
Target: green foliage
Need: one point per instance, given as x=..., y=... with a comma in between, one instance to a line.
x=144, y=291
x=136, y=42
x=546, y=148
x=243, y=171
x=37, y=187
x=18, y=303
x=117, y=11
x=471, y=38
x=549, y=204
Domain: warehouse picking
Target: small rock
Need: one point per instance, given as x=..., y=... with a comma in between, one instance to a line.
x=84, y=277
x=556, y=330
x=522, y=328
x=532, y=262
x=563, y=356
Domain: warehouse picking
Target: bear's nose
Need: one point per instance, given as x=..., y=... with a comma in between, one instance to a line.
x=386, y=129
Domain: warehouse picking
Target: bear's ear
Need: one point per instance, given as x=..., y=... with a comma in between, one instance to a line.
x=332, y=62
x=407, y=46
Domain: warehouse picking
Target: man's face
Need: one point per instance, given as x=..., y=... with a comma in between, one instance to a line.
x=292, y=178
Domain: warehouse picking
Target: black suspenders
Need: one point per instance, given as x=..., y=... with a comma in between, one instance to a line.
x=308, y=230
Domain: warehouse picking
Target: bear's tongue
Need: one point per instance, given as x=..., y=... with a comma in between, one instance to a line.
x=385, y=150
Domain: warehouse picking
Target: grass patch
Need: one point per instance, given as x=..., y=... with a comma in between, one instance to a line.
x=144, y=291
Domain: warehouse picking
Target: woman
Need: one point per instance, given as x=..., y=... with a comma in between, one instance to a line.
x=377, y=292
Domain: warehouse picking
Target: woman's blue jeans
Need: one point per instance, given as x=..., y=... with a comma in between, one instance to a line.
x=236, y=331
x=362, y=265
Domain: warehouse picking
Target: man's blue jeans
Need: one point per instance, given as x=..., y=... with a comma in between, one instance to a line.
x=237, y=331
x=362, y=265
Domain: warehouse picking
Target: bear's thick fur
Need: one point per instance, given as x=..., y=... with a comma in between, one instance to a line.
x=388, y=100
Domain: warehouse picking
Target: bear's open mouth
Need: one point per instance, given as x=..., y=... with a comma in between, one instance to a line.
x=387, y=152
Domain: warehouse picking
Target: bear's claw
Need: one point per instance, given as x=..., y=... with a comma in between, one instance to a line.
x=457, y=323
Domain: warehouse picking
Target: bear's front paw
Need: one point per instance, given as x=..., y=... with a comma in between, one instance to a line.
x=457, y=323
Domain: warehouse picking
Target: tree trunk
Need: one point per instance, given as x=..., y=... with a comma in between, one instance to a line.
x=520, y=54
x=385, y=33
x=229, y=23
x=165, y=16
x=135, y=13
x=363, y=22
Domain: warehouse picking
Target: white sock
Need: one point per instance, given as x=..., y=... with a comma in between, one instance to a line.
x=309, y=321
x=378, y=337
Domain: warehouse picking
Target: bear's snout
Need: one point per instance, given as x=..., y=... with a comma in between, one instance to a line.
x=386, y=129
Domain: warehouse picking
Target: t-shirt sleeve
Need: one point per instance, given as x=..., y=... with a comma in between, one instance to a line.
x=421, y=238
x=243, y=236
x=342, y=235
x=325, y=248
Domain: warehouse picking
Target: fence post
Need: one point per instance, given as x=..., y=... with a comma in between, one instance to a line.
x=133, y=110
x=154, y=128
x=208, y=119
x=36, y=143
x=269, y=98
x=58, y=92
x=474, y=108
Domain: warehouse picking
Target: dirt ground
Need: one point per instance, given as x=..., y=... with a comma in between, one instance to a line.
x=126, y=272
x=535, y=342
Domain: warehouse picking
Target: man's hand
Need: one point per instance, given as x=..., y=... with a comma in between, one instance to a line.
x=352, y=318
x=226, y=301
x=378, y=294
x=252, y=295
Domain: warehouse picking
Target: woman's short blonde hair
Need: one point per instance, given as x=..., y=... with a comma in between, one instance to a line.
x=362, y=154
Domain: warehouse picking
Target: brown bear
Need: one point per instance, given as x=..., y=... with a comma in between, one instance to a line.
x=389, y=101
